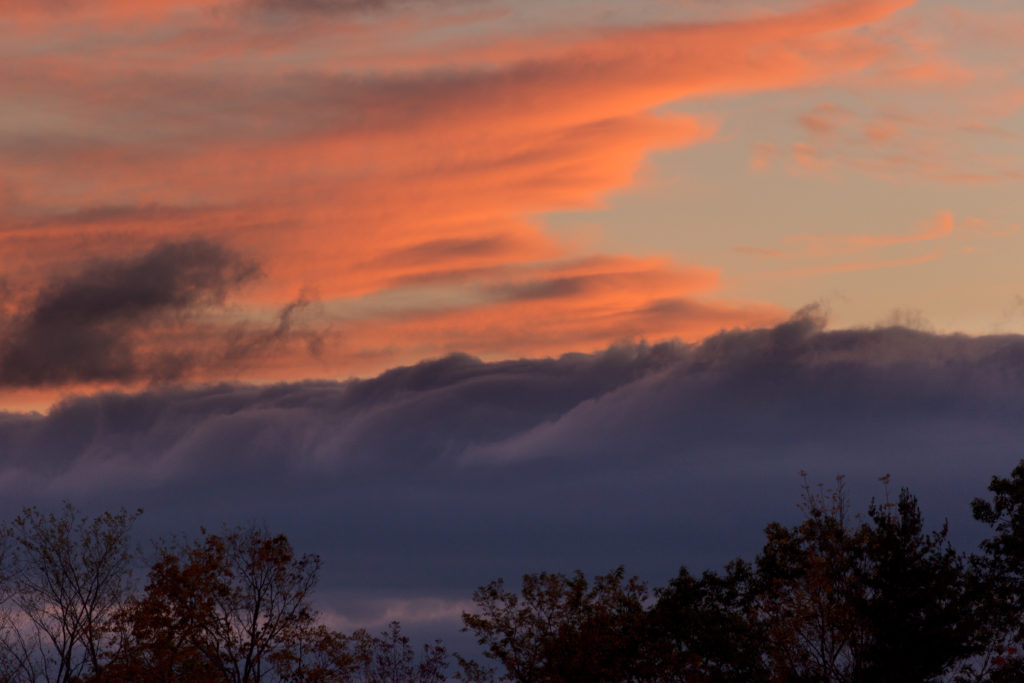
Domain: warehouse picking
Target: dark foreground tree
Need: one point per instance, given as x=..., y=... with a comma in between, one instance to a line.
x=703, y=630
x=63, y=576
x=870, y=600
x=390, y=658
x=225, y=608
x=915, y=610
x=806, y=591
x=1000, y=572
x=834, y=599
x=562, y=628
x=231, y=608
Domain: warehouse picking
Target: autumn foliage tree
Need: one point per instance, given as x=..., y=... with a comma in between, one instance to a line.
x=876, y=599
x=702, y=628
x=62, y=578
x=807, y=589
x=226, y=608
x=232, y=607
x=835, y=598
x=391, y=658
x=1000, y=571
x=563, y=627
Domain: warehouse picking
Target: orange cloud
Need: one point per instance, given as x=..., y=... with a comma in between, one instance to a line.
x=922, y=113
x=858, y=266
x=371, y=183
x=763, y=155
x=823, y=246
x=825, y=118
x=941, y=226
x=989, y=227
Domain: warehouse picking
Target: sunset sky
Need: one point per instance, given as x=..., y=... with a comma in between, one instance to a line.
x=200, y=190
x=214, y=213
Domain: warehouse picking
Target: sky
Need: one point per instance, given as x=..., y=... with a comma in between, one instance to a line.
x=488, y=287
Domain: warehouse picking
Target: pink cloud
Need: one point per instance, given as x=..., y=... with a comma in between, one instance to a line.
x=373, y=181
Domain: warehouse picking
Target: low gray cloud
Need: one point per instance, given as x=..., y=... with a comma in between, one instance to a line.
x=84, y=327
x=426, y=481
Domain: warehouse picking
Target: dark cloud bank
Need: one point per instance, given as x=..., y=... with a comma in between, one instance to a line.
x=139, y=319
x=432, y=479
x=86, y=327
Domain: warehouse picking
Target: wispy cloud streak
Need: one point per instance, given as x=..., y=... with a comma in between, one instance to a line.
x=356, y=178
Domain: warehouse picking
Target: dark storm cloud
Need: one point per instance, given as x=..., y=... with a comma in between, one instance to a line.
x=429, y=480
x=85, y=327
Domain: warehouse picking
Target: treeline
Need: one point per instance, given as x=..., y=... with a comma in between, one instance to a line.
x=233, y=606
x=839, y=597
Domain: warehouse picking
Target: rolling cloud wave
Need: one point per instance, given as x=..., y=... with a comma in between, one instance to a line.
x=646, y=455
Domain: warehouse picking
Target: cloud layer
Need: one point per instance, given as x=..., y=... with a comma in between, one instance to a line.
x=84, y=328
x=394, y=163
x=428, y=480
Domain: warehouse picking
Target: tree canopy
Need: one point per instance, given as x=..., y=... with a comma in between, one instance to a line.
x=842, y=597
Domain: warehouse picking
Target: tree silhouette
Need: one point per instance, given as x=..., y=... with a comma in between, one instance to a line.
x=233, y=608
x=703, y=629
x=1000, y=575
x=915, y=611
x=844, y=599
x=563, y=628
x=63, y=577
x=390, y=658
x=835, y=598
